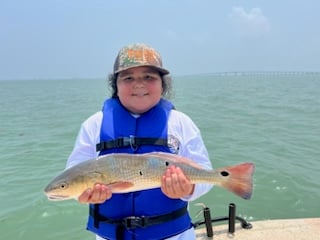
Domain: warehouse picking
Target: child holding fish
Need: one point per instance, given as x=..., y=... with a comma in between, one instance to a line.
x=138, y=119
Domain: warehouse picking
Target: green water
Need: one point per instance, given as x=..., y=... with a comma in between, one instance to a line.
x=271, y=120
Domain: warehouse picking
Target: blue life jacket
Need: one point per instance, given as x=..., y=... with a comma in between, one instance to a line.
x=120, y=131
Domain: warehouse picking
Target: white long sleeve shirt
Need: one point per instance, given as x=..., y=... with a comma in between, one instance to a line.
x=180, y=127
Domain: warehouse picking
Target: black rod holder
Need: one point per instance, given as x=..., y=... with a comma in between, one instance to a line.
x=207, y=220
x=232, y=218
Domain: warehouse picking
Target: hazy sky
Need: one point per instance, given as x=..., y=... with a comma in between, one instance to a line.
x=45, y=39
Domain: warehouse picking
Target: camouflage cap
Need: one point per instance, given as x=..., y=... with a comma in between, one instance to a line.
x=137, y=55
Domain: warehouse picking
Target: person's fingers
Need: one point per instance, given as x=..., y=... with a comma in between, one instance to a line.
x=105, y=193
x=95, y=196
x=185, y=185
x=85, y=196
x=99, y=194
x=175, y=184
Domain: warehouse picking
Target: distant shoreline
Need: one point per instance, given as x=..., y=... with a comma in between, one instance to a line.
x=222, y=74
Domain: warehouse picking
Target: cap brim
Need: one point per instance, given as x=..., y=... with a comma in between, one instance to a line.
x=161, y=70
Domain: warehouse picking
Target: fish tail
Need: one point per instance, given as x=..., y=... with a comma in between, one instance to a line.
x=238, y=179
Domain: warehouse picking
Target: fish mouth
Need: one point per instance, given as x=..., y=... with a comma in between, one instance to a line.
x=57, y=197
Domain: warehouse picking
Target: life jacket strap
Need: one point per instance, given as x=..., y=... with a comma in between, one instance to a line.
x=132, y=222
x=131, y=141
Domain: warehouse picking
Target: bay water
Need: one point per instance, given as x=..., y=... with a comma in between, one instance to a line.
x=272, y=120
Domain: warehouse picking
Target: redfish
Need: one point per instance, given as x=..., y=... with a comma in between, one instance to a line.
x=134, y=172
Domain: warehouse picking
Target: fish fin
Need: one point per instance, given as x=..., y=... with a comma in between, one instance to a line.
x=239, y=179
x=120, y=186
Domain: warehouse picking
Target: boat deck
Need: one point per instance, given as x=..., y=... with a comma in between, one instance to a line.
x=297, y=229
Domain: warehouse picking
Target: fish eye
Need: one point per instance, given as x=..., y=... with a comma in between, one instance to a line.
x=63, y=186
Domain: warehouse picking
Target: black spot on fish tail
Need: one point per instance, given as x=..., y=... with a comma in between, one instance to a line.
x=140, y=172
x=167, y=163
x=224, y=173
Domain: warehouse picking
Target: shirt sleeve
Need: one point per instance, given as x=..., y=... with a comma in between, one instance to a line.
x=191, y=146
x=85, y=145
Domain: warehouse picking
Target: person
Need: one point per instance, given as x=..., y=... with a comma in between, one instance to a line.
x=139, y=118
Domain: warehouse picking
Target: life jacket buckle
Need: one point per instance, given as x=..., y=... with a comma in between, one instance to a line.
x=133, y=222
x=130, y=141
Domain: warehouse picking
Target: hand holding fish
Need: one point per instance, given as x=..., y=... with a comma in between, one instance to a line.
x=174, y=183
x=99, y=194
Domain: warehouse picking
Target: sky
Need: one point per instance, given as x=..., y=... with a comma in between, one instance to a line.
x=58, y=39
